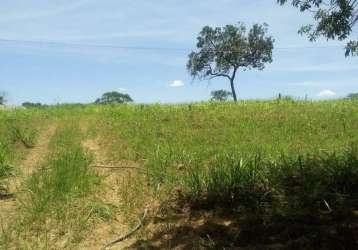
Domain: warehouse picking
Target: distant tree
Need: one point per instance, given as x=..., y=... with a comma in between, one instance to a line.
x=222, y=52
x=2, y=98
x=335, y=19
x=32, y=105
x=352, y=96
x=220, y=95
x=114, y=97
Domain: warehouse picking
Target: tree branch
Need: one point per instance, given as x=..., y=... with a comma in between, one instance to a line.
x=130, y=233
x=214, y=75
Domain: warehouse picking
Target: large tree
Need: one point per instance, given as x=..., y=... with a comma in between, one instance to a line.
x=223, y=51
x=335, y=19
x=114, y=97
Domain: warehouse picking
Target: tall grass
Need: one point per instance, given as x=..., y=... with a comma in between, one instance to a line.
x=6, y=170
x=305, y=184
x=285, y=157
x=239, y=154
x=58, y=200
x=19, y=130
x=66, y=178
x=136, y=132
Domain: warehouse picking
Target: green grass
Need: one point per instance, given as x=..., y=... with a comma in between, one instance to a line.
x=300, y=183
x=272, y=158
x=276, y=159
x=18, y=132
x=184, y=136
x=6, y=170
x=58, y=194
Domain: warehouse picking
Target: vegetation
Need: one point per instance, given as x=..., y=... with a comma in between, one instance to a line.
x=286, y=169
x=2, y=98
x=57, y=190
x=114, y=97
x=335, y=20
x=274, y=174
x=352, y=96
x=276, y=161
x=220, y=95
x=224, y=51
x=32, y=105
x=6, y=170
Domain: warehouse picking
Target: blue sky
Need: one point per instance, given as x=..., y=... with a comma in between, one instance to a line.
x=52, y=73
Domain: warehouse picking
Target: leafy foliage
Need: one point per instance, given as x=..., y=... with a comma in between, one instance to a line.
x=335, y=20
x=220, y=95
x=223, y=51
x=114, y=97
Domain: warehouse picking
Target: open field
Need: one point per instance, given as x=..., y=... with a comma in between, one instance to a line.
x=258, y=174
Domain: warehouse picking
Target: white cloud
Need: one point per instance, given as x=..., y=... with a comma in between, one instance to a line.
x=326, y=93
x=177, y=83
x=122, y=89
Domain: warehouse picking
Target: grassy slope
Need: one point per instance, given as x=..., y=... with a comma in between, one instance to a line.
x=243, y=156
x=176, y=135
x=269, y=158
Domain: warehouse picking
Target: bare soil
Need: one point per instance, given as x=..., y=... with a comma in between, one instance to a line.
x=107, y=231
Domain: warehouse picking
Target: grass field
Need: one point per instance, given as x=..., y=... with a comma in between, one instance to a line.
x=274, y=174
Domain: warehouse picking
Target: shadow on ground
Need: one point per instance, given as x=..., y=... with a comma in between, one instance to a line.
x=202, y=229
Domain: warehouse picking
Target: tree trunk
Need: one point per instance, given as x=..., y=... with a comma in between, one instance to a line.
x=233, y=89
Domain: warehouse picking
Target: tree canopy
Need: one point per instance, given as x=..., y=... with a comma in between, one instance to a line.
x=114, y=97
x=220, y=95
x=32, y=105
x=2, y=98
x=352, y=96
x=335, y=19
x=222, y=51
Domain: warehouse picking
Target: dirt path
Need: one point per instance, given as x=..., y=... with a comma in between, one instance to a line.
x=40, y=151
x=33, y=158
x=106, y=231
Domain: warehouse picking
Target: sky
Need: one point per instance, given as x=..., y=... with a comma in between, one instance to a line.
x=88, y=52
